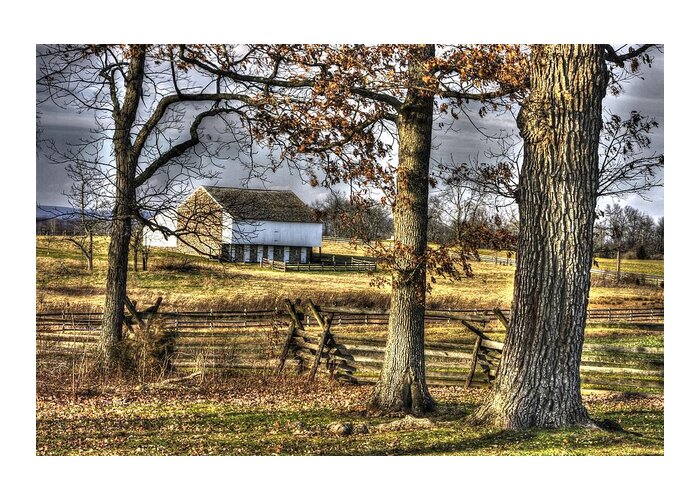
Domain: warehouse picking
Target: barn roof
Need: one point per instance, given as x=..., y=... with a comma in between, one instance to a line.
x=261, y=204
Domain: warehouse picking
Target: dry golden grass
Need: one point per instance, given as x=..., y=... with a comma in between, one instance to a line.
x=633, y=266
x=187, y=282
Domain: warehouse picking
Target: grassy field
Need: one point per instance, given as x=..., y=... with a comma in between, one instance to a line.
x=626, y=265
x=190, y=282
x=265, y=419
x=633, y=266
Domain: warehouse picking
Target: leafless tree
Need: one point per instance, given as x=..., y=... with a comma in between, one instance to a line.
x=165, y=125
x=628, y=163
x=87, y=197
x=363, y=220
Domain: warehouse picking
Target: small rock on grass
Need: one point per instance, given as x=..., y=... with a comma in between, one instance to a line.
x=346, y=428
x=407, y=422
x=341, y=429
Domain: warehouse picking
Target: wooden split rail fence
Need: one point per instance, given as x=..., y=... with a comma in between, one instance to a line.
x=352, y=265
x=310, y=352
x=356, y=316
x=345, y=343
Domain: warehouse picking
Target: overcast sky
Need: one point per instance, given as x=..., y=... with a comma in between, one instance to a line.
x=645, y=95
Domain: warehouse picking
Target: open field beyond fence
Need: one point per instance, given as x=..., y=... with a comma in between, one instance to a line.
x=196, y=283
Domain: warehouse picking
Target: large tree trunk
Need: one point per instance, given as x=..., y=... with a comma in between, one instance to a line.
x=402, y=386
x=539, y=383
x=117, y=265
x=125, y=197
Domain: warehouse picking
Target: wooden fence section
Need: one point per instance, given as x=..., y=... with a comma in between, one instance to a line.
x=255, y=340
x=352, y=265
x=354, y=316
x=476, y=363
x=602, y=367
x=637, y=278
x=337, y=239
x=214, y=340
x=504, y=261
x=309, y=352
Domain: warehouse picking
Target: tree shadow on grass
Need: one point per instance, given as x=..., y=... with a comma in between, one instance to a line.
x=222, y=429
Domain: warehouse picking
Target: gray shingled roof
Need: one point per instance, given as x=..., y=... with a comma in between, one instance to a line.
x=261, y=204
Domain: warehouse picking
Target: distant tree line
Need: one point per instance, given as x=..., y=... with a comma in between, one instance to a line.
x=629, y=232
x=457, y=212
x=343, y=217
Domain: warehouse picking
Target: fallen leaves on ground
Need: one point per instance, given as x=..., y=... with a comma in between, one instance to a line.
x=269, y=416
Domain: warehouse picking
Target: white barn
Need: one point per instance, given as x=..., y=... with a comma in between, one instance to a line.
x=247, y=225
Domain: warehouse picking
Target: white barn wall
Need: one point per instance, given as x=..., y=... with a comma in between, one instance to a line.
x=227, y=227
x=155, y=238
x=298, y=234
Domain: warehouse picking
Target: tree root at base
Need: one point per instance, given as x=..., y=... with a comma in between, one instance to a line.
x=409, y=399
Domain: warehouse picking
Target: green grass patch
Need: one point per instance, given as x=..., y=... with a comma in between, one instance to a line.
x=295, y=421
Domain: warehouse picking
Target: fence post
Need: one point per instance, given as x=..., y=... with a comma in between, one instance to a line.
x=245, y=313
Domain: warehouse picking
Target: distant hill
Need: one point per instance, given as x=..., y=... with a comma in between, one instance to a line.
x=44, y=212
x=57, y=220
x=48, y=212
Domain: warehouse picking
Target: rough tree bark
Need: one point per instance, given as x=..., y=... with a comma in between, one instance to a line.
x=402, y=386
x=539, y=384
x=125, y=198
